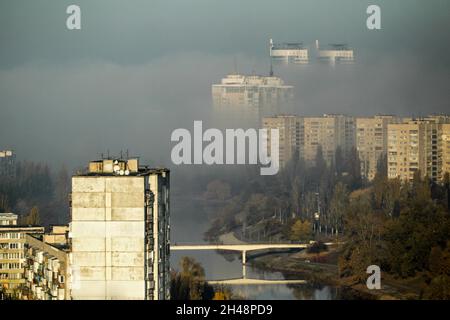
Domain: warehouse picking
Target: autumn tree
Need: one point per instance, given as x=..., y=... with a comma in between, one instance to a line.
x=338, y=206
x=33, y=217
x=189, y=283
x=4, y=206
x=301, y=230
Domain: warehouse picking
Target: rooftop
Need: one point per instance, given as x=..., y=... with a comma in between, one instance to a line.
x=288, y=46
x=19, y=228
x=119, y=167
x=336, y=46
x=8, y=215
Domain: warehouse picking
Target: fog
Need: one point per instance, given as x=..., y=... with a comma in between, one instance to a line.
x=137, y=70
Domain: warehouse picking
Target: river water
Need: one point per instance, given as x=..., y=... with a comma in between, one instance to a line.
x=188, y=223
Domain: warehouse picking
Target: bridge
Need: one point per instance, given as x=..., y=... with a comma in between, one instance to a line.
x=241, y=281
x=244, y=248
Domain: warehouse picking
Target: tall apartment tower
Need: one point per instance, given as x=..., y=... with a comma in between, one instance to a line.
x=247, y=99
x=335, y=53
x=119, y=232
x=418, y=145
x=289, y=52
x=329, y=132
x=290, y=135
x=371, y=142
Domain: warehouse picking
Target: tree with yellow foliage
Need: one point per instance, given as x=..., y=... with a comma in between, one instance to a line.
x=301, y=230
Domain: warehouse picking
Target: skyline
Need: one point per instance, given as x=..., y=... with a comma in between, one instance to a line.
x=122, y=82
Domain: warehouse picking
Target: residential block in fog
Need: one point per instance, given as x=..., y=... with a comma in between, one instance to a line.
x=409, y=144
x=289, y=52
x=418, y=145
x=331, y=131
x=290, y=135
x=335, y=53
x=298, y=53
x=305, y=135
x=371, y=142
x=248, y=98
x=119, y=231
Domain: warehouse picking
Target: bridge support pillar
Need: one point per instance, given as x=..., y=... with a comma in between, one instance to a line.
x=244, y=261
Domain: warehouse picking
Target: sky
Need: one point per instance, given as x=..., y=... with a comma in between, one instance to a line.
x=139, y=69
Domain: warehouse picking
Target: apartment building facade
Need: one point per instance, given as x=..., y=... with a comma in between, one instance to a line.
x=119, y=232
x=329, y=132
x=371, y=142
x=418, y=145
x=335, y=53
x=46, y=269
x=289, y=52
x=445, y=149
x=12, y=258
x=290, y=135
x=249, y=98
x=303, y=136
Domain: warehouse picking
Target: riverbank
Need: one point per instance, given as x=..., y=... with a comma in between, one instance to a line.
x=322, y=269
x=303, y=265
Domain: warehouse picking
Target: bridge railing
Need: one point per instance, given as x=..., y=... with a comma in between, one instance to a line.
x=243, y=243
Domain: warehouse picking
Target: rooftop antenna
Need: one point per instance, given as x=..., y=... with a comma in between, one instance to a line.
x=128, y=155
x=108, y=153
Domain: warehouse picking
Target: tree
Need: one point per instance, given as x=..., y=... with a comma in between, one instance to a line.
x=222, y=293
x=301, y=230
x=363, y=245
x=439, y=271
x=4, y=207
x=62, y=185
x=353, y=168
x=338, y=206
x=189, y=283
x=382, y=166
x=33, y=217
x=296, y=194
x=446, y=185
x=320, y=164
x=339, y=161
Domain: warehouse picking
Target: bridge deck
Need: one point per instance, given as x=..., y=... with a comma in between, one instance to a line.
x=245, y=281
x=239, y=247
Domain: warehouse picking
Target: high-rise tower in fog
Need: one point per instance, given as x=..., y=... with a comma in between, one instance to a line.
x=247, y=99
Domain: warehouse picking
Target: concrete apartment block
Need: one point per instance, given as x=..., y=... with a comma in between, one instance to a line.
x=119, y=238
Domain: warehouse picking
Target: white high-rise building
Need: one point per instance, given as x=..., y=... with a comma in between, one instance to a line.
x=335, y=53
x=241, y=99
x=295, y=52
x=119, y=232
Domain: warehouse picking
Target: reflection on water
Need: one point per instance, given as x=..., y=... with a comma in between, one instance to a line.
x=189, y=222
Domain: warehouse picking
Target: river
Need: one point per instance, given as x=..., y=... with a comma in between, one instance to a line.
x=188, y=223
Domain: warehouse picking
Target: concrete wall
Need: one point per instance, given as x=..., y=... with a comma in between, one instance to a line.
x=107, y=235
